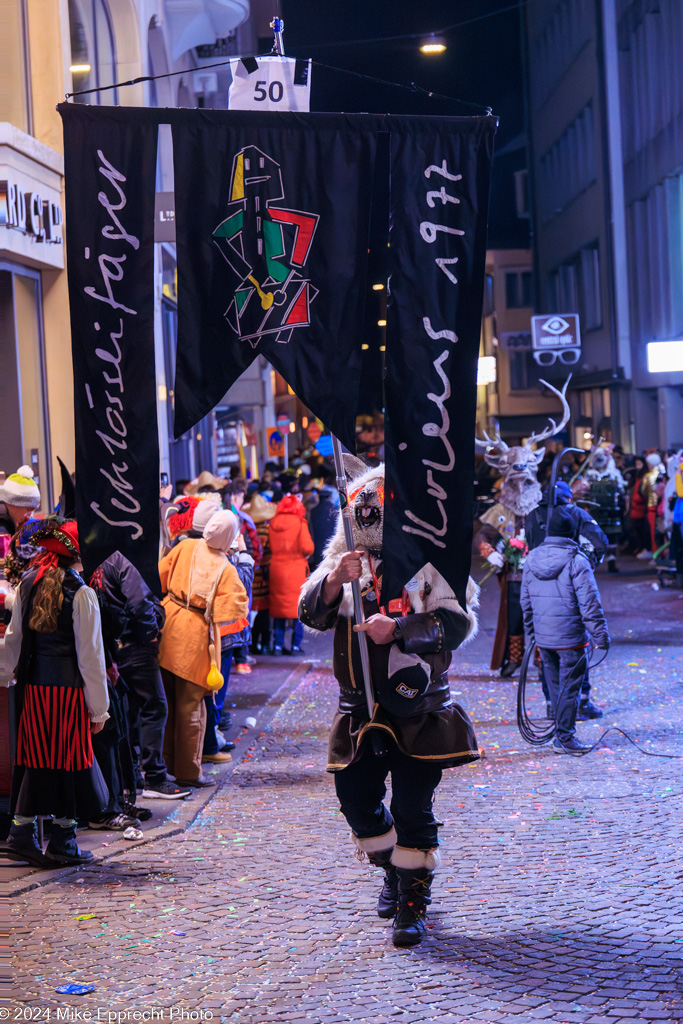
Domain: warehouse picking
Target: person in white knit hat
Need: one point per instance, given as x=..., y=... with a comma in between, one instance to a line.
x=19, y=497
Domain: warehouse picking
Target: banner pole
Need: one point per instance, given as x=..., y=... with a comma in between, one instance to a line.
x=377, y=741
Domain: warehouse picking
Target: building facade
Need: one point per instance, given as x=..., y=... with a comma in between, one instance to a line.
x=606, y=157
x=54, y=47
x=511, y=399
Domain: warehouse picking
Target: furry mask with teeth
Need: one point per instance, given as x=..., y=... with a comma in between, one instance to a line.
x=366, y=501
x=427, y=591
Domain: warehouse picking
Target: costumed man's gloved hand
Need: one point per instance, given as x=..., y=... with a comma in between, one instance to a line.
x=348, y=568
x=496, y=560
x=380, y=628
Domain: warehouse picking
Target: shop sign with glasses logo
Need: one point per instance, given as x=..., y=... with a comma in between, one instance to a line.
x=556, y=338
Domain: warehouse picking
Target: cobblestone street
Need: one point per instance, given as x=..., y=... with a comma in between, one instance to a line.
x=559, y=898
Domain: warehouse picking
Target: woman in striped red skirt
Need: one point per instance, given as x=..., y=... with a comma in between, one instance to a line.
x=55, y=642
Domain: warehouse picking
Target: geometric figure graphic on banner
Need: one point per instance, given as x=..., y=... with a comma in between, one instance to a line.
x=270, y=83
x=276, y=442
x=250, y=237
x=272, y=260
x=556, y=337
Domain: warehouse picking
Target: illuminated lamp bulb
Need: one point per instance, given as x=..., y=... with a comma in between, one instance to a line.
x=433, y=44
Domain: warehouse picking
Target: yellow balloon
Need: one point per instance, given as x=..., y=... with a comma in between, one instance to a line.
x=214, y=680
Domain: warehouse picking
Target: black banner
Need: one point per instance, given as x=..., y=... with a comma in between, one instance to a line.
x=272, y=219
x=440, y=170
x=110, y=173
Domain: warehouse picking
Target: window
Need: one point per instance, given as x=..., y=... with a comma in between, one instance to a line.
x=23, y=387
x=567, y=281
x=518, y=289
x=569, y=166
x=564, y=34
x=525, y=373
x=16, y=102
x=93, y=50
x=575, y=288
x=522, y=193
x=590, y=305
x=606, y=403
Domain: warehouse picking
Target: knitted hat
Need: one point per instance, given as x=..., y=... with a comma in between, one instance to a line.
x=20, y=489
x=203, y=513
x=562, y=523
x=653, y=459
x=563, y=492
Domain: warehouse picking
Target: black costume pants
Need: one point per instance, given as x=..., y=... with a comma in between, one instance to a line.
x=139, y=666
x=361, y=790
x=515, y=617
x=564, y=672
x=112, y=751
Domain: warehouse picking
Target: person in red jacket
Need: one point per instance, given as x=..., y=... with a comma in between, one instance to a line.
x=291, y=545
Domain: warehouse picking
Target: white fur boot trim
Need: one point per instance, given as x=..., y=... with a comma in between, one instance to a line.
x=375, y=843
x=403, y=857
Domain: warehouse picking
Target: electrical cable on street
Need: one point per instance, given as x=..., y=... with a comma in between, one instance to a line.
x=531, y=733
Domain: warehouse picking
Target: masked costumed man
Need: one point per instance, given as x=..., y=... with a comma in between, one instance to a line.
x=503, y=523
x=606, y=490
x=410, y=643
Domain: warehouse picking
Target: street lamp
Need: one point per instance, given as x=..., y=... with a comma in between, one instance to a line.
x=433, y=44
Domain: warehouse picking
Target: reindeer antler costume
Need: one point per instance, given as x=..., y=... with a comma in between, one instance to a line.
x=519, y=494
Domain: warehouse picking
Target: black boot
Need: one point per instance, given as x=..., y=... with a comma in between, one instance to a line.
x=414, y=896
x=387, y=901
x=63, y=848
x=22, y=844
x=587, y=711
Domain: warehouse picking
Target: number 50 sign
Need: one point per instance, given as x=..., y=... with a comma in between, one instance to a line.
x=270, y=83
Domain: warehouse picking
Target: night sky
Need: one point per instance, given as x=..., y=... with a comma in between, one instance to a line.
x=481, y=65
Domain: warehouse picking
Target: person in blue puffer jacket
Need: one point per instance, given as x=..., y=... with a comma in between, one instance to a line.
x=561, y=605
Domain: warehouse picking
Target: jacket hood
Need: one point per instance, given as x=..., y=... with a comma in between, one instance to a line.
x=290, y=505
x=549, y=559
